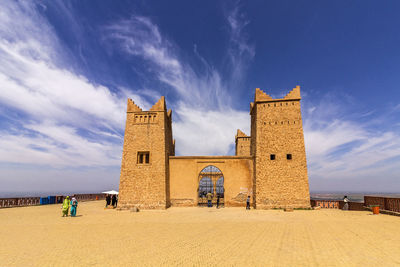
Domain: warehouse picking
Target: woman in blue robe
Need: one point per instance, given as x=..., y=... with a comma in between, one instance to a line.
x=74, y=205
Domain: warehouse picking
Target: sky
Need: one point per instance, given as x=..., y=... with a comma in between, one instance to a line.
x=68, y=67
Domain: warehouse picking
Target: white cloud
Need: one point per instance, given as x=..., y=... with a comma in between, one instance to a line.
x=208, y=132
x=69, y=121
x=205, y=122
x=140, y=37
x=57, y=105
x=340, y=148
x=56, y=146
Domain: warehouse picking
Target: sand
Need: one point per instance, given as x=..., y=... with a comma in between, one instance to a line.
x=39, y=236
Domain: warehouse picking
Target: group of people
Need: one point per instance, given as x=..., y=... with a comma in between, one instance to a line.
x=210, y=198
x=73, y=203
x=113, y=200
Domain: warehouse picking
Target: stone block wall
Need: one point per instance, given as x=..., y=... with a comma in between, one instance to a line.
x=280, y=167
x=242, y=142
x=146, y=185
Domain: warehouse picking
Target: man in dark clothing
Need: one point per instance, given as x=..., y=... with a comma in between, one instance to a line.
x=108, y=200
x=217, y=201
x=248, y=203
x=209, y=199
x=113, y=200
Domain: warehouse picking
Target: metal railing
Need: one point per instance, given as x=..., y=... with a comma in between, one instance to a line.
x=336, y=204
x=385, y=203
x=19, y=202
x=33, y=201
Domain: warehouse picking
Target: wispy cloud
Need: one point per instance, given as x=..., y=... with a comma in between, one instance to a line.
x=58, y=109
x=201, y=99
x=342, y=145
x=140, y=37
x=58, y=119
x=240, y=50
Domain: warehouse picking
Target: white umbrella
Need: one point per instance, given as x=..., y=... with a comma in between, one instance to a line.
x=112, y=192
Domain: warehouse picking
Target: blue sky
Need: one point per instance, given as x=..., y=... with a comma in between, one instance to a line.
x=67, y=68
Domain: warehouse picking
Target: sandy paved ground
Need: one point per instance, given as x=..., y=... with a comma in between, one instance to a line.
x=39, y=236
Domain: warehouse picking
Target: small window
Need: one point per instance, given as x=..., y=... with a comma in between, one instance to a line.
x=289, y=156
x=143, y=157
x=272, y=157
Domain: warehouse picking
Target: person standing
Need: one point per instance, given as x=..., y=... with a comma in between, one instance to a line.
x=74, y=206
x=65, y=207
x=346, y=203
x=248, y=203
x=209, y=199
x=113, y=200
x=217, y=201
x=108, y=200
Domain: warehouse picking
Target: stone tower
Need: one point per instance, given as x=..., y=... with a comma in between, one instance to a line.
x=242, y=144
x=277, y=145
x=148, y=143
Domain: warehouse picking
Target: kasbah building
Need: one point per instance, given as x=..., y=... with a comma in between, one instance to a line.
x=269, y=165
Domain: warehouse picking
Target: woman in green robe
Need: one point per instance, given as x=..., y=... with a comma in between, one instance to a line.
x=65, y=206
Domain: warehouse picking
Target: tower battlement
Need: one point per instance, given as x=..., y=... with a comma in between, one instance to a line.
x=242, y=142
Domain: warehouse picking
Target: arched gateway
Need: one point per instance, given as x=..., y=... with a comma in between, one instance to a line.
x=211, y=180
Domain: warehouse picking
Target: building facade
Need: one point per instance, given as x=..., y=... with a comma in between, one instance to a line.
x=269, y=165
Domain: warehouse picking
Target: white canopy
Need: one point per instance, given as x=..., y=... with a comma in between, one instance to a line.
x=111, y=192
